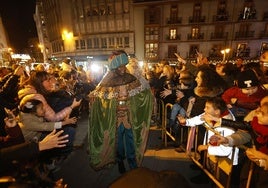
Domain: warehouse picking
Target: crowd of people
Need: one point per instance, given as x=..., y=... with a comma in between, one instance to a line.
x=201, y=93
x=39, y=113
x=40, y=109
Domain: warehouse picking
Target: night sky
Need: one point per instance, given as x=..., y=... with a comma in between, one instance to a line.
x=17, y=17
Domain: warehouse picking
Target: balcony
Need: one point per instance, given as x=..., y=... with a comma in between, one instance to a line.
x=197, y=19
x=244, y=35
x=170, y=38
x=199, y=36
x=248, y=16
x=174, y=21
x=220, y=18
x=219, y=36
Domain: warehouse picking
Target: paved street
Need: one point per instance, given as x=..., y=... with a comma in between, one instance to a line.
x=77, y=172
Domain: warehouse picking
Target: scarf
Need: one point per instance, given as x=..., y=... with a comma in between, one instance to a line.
x=261, y=131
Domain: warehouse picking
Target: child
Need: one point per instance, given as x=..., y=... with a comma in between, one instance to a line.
x=32, y=124
x=246, y=96
x=35, y=128
x=215, y=107
x=257, y=130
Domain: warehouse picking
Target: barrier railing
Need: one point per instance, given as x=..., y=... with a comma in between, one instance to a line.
x=220, y=164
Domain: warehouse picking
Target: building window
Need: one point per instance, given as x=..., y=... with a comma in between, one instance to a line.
x=219, y=31
x=111, y=26
x=89, y=27
x=83, y=44
x=221, y=12
x=249, y=11
x=57, y=47
x=119, y=42
x=96, y=26
x=126, y=24
x=244, y=30
x=126, y=6
x=102, y=10
x=110, y=9
x=96, y=42
x=151, y=33
x=219, y=28
x=197, y=12
x=77, y=45
x=82, y=28
x=192, y=51
x=173, y=34
x=152, y=15
x=103, y=43
x=173, y=12
x=80, y=44
x=118, y=8
x=222, y=7
x=151, y=50
x=103, y=25
x=119, y=24
x=89, y=43
x=111, y=42
x=126, y=41
x=195, y=32
x=88, y=12
x=95, y=11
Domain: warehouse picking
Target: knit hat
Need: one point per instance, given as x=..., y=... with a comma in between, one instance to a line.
x=117, y=60
x=247, y=79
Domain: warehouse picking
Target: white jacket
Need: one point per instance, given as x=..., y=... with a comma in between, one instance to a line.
x=221, y=150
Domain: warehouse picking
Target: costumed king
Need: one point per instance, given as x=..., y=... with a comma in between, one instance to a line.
x=120, y=117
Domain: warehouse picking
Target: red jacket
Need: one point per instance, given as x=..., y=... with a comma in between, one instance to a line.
x=249, y=102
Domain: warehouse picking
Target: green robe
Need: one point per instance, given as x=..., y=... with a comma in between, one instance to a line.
x=103, y=120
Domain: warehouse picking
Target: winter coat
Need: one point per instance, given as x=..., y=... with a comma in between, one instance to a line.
x=29, y=93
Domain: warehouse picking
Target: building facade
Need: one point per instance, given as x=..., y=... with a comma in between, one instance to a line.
x=152, y=30
x=207, y=26
x=83, y=29
x=4, y=48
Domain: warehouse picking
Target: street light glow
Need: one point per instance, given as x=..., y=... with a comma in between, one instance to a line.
x=224, y=52
x=67, y=35
x=95, y=68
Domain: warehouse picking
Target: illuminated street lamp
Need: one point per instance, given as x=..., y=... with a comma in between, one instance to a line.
x=67, y=35
x=67, y=38
x=224, y=52
x=41, y=47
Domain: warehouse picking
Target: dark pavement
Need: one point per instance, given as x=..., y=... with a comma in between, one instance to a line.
x=77, y=173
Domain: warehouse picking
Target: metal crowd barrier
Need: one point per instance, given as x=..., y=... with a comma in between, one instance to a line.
x=167, y=131
x=220, y=164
